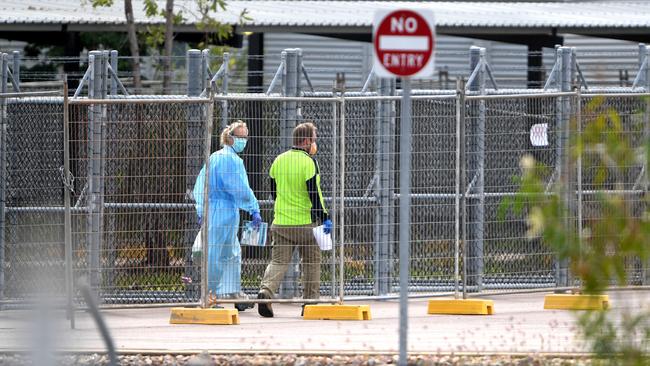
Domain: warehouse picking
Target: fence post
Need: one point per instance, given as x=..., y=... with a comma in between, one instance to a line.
x=461, y=184
x=289, y=286
x=114, y=67
x=194, y=72
x=298, y=70
x=3, y=170
x=335, y=187
x=579, y=188
x=474, y=59
x=67, y=215
x=16, y=67
x=107, y=237
x=195, y=159
x=385, y=214
x=476, y=167
x=564, y=115
x=644, y=60
x=289, y=89
x=207, y=150
x=205, y=69
x=224, y=90
x=5, y=72
x=385, y=127
x=94, y=169
x=105, y=84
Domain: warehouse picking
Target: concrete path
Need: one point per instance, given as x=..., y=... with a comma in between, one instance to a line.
x=519, y=325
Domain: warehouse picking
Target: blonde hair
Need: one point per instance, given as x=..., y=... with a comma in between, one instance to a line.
x=226, y=134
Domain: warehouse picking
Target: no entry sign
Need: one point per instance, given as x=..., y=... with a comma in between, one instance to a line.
x=404, y=42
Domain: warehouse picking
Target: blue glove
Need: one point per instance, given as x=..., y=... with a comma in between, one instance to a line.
x=257, y=219
x=328, y=226
x=199, y=220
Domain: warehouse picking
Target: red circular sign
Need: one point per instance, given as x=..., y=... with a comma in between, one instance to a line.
x=403, y=42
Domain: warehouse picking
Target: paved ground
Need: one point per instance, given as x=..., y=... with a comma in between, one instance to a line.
x=519, y=325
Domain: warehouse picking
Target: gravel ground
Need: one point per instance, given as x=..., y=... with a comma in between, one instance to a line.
x=205, y=359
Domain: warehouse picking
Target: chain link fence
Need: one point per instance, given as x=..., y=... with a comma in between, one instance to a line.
x=629, y=117
x=133, y=162
x=134, y=239
x=33, y=242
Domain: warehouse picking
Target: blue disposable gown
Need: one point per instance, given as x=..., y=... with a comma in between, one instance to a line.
x=229, y=192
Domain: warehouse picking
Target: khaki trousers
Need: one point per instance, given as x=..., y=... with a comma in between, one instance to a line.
x=285, y=239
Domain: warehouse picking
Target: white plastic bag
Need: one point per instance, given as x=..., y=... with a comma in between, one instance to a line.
x=197, y=247
x=324, y=240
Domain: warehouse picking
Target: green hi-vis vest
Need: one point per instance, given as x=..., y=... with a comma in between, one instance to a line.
x=291, y=170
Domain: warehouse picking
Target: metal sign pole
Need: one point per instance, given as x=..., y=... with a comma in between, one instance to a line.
x=405, y=142
x=403, y=42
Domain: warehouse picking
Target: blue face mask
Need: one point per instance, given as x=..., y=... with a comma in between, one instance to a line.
x=239, y=144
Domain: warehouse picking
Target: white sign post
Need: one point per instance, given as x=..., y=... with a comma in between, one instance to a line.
x=404, y=41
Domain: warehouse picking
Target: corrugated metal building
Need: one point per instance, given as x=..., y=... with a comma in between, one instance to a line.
x=602, y=60
x=509, y=30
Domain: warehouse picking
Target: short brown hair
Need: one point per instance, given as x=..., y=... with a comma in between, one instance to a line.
x=303, y=131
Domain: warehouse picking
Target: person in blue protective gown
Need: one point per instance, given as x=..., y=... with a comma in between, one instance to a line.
x=229, y=192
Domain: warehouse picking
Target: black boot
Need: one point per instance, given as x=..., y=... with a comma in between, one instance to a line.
x=241, y=306
x=264, y=309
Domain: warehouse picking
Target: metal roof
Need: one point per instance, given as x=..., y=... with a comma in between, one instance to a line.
x=584, y=17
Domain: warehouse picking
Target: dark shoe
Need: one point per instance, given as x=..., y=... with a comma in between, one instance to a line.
x=264, y=309
x=302, y=312
x=242, y=306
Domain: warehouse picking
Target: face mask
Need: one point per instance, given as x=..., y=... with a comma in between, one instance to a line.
x=239, y=144
x=313, y=149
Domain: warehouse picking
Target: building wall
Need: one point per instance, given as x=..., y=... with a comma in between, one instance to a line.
x=600, y=59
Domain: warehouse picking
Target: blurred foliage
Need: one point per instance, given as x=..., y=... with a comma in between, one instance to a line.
x=598, y=254
x=49, y=64
x=151, y=40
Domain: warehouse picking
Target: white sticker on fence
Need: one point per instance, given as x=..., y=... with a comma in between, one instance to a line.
x=539, y=135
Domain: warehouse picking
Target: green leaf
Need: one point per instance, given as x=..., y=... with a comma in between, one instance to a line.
x=150, y=8
x=101, y=3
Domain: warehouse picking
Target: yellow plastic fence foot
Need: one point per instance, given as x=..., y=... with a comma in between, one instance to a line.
x=337, y=312
x=576, y=302
x=204, y=316
x=461, y=306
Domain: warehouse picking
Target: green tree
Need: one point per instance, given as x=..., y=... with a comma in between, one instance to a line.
x=131, y=35
x=162, y=36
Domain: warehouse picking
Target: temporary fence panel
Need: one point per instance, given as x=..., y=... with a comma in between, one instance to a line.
x=270, y=122
x=433, y=184
x=499, y=255
x=626, y=117
x=34, y=228
x=137, y=161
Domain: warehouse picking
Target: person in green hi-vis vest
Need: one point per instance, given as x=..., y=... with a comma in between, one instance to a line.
x=299, y=204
